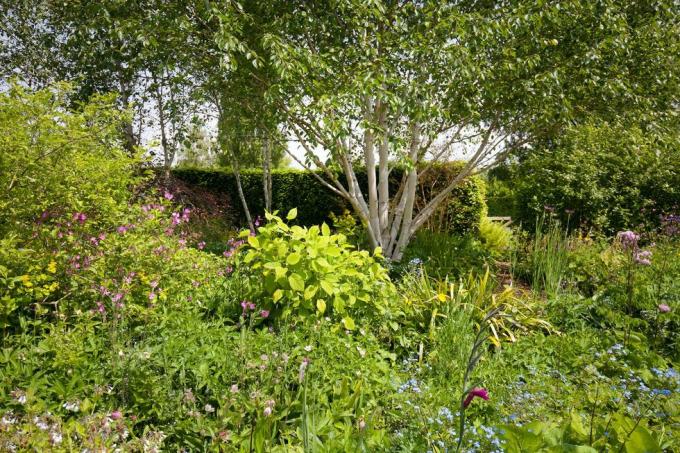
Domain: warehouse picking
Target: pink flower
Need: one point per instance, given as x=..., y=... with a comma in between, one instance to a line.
x=168, y=196
x=477, y=391
x=267, y=411
x=201, y=245
x=79, y=217
x=264, y=313
x=663, y=308
x=122, y=229
x=116, y=415
x=176, y=218
x=247, y=305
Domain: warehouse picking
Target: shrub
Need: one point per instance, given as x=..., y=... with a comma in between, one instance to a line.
x=299, y=189
x=56, y=161
x=605, y=177
x=301, y=271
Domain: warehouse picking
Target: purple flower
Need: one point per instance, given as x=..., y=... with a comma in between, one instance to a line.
x=116, y=415
x=122, y=229
x=185, y=214
x=476, y=392
x=201, y=245
x=643, y=257
x=117, y=297
x=175, y=218
x=168, y=196
x=303, y=367
x=79, y=217
x=628, y=239
x=663, y=308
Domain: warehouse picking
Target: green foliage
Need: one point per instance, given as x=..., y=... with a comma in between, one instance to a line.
x=601, y=176
x=55, y=160
x=443, y=254
x=542, y=258
x=301, y=190
x=496, y=237
x=304, y=271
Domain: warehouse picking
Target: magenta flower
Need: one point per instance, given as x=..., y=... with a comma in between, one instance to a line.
x=247, y=305
x=116, y=415
x=79, y=217
x=663, y=308
x=122, y=229
x=168, y=196
x=264, y=313
x=477, y=391
x=176, y=218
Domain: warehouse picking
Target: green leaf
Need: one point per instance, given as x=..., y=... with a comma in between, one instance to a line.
x=325, y=230
x=292, y=214
x=321, y=306
x=296, y=282
x=641, y=441
x=278, y=294
x=348, y=323
x=310, y=291
x=328, y=287
x=254, y=242
x=293, y=258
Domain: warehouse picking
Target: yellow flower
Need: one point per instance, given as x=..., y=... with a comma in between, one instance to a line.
x=26, y=281
x=52, y=267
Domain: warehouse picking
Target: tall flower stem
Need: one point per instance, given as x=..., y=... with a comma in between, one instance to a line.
x=475, y=355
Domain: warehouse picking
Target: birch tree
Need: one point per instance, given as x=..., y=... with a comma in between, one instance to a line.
x=383, y=84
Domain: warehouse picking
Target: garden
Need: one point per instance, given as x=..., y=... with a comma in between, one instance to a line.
x=199, y=294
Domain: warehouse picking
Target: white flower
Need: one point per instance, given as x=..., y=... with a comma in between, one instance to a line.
x=208, y=408
x=55, y=437
x=234, y=388
x=40, y=423
x=71, y=406
x=362, y=352
x=8, y=419
x=308, y=348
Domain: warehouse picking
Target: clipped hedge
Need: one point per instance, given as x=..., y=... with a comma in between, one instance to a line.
x=314, y=202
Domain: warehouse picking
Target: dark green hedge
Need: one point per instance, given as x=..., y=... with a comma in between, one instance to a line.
x=314, y=202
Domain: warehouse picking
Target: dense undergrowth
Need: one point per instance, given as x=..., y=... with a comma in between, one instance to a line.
x=120, y=330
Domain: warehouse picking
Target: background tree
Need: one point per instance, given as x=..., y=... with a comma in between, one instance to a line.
x=399, y=83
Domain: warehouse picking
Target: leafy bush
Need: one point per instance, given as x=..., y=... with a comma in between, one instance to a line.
x=496, y=237
x=601, y=176
x=304, y=271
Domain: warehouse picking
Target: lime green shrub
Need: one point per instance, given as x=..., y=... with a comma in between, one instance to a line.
x=306, y=271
